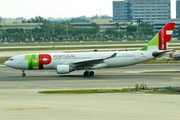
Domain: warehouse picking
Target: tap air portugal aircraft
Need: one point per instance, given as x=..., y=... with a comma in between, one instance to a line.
x=65, y=63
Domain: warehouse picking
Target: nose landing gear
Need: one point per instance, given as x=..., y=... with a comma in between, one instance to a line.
x=23, y=74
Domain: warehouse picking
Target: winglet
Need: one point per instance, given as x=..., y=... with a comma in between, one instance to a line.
x=112, y=56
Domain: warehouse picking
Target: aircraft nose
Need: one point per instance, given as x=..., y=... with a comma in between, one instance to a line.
x=6, y=63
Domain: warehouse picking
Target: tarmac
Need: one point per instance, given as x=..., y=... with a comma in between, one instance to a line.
x=103, y=78
x=28, y=105
x=19, y=97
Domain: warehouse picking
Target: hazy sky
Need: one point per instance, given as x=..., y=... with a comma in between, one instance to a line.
x=58, y=8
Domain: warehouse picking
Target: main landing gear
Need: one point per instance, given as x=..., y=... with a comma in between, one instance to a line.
x=86, y=73
x=23, y=74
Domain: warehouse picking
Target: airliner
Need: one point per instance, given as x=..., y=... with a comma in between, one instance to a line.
x=65, y=63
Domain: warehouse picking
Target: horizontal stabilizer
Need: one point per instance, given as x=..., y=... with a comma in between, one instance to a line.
x=160, y=53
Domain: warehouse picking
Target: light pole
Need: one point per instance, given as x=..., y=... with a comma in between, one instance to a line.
x=67, y=31
x=31, y=34
x=137, y=30
x=53, y=27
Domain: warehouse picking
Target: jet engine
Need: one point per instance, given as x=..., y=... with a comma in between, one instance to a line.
x=63, y=69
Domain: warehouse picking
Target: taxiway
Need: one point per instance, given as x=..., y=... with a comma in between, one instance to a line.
x=103, y=78
x=19, y=97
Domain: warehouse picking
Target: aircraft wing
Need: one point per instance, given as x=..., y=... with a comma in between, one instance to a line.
x=160, y=53
x=91, y=62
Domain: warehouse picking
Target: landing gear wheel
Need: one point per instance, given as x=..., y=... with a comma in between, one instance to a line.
x=85, y=73
x=91, y=73
x=23, y=74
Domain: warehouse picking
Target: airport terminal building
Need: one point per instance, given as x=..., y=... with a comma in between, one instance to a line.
x=178, y=9
x=158, y=25
x=147, y=10
x=17, y=24
x=103, y=24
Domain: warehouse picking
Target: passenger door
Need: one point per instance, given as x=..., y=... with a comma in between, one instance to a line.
x=20, y=60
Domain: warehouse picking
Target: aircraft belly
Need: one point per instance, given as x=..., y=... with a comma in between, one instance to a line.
x=50, y=66
x=118, y=62
x=126, y=61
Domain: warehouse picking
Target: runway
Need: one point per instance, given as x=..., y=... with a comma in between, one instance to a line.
x=19, y=97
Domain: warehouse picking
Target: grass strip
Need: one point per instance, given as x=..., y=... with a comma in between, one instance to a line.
x=161, y=62
x=72, y=43
x=72, y=48
x=103, y=91
x=85, y=91
x=78, y=43
x=3, y=60
x=64, y=48
x=160, y=92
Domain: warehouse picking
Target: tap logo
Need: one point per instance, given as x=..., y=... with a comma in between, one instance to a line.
x=44, y=59
x=162, y=39
x=37, y=61
x=162, y=43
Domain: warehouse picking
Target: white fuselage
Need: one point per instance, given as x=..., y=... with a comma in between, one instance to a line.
x=123, y=58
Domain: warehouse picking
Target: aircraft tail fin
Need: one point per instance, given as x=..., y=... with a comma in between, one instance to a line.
x=162, y=38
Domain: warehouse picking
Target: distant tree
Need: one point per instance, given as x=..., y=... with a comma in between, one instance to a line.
x=146, y=25
x=117, y=25
x=116, y=34
x=61, y=37
x=99, y=35
x=121, y=34
x=127, y=35
x=1, y=19
x=85, y=36
x=95, y=25
x=80, y=37
x=131, y=28
x=60, y=29
x=134, y=35
x=110, y=31
x=147, y=31
x=94, y=36
x=75, y=37
x=139, y=21
x=3, y=34
x=89, y=36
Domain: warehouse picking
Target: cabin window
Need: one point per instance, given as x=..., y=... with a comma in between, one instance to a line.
x=11, y=59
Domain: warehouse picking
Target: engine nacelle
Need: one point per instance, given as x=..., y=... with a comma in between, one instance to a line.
x=63, y=69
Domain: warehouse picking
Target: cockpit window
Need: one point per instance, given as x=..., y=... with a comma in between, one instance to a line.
x=11, y=59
